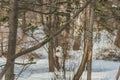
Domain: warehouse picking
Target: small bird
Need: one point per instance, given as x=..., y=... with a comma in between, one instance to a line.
x=31, y=59
x=46, y=37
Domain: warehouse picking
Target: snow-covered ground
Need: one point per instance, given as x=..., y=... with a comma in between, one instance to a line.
x=101, y=69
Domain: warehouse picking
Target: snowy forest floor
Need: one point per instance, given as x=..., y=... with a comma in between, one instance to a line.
x=101, y=70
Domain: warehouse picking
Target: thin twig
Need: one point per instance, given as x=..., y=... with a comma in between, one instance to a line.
x=23, y=69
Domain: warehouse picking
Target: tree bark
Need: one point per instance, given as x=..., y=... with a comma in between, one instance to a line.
x=89, y=60
x=118, y=74
x=51, y=57
x=45, y=41
x=50, y=26
x=12, y=39
x=50, y=37
x=86, y=43
x=77, y=43
x=87, y=56
x=117, y=40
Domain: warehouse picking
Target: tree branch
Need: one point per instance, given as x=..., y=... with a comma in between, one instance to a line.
x=40, y=12
x=46, y=4
x=25, y=63
x=50, y=38
x=44, y=42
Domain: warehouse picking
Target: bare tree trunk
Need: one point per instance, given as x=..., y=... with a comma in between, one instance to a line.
x=2, y=51
x=89, y=60
x=51, y=57
x=12, y=39
x=65, y=45
x=77, y=43
x=50, y=49
x=117, y=40
x=82, y=65
x=118, y=74
x=87, y=56
x=56, y=41
x=65, y=53
x=86, y=43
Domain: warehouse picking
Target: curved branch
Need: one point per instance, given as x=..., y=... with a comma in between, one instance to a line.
x=50, y=38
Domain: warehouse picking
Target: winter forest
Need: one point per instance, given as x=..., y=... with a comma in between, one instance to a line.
x=59, y=39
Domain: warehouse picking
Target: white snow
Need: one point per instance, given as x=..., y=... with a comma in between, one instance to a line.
x=101, y=70
x=105, y=40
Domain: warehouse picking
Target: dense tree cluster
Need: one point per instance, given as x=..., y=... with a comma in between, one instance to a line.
x=61, y=21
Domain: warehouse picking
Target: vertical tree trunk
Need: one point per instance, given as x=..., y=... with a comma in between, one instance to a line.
x=51, y=57
x=65, y=53
x=84, y=58
x=50, y=49
x=12, y=39
x=87, y=56
x=56, y=41
x=89, y=60
x=118, y=74
x=66, y=40
x=117, y=40
x=24, y=25
x=77, y=43
x=2, y=51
